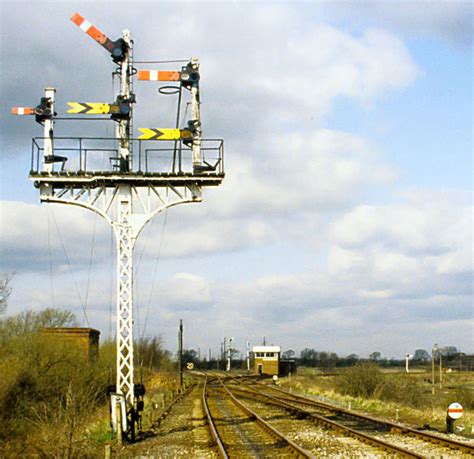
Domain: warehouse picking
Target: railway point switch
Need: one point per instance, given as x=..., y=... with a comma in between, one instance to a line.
x=126, y=180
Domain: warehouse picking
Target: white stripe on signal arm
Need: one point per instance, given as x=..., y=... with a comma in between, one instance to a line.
x=85, y=26
x=23, y=111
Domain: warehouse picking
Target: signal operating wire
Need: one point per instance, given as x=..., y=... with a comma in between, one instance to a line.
x=50, y=258
x=161, y=62
x=75, y=118
x=70, y=268
x=86, y=295
x=111, y=285
x=155, y=272
x=137, y=302
x=92, y=250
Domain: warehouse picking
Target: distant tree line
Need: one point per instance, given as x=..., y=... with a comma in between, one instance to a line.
x=329, y=361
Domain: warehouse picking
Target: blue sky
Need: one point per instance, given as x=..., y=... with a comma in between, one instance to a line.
x=347, y=205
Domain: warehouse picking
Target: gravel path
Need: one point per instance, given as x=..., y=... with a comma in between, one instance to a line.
x=183, y=433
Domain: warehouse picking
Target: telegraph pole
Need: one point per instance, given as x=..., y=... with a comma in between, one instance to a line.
x=229, y=351
x=180, y=353
x=224, y=355
x=433, y=368
x=129, y=191
x=440, y=369
x=248, y=356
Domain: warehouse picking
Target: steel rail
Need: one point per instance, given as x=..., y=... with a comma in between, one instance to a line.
x=212, y=425
x=429, y=437
x=276, y=433
x=402, y=452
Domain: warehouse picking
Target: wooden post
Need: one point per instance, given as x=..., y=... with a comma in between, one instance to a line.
x=180, y=353
x=432, y=371
x=440, y=370
x=119, y=426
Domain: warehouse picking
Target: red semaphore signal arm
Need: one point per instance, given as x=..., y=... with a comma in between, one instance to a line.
x=158, y=75
x=115, y=48
x=42, y=111
x=187, y=76
x=23, y=111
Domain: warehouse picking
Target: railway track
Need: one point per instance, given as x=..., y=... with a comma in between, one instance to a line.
x=238, y=431
x=384, y=435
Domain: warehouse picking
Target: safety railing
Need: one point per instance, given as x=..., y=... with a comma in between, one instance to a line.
x=100, y=155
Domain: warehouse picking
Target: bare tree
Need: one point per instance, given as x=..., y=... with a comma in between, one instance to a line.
x=375, y=356
x=5, y=291
x=289, y=354
x=421, y=355
x=32, y=321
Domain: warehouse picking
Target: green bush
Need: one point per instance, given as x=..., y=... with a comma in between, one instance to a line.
x=366, y=380
x=361, y=380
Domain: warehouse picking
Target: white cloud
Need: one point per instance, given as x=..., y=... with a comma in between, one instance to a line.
x=270, y=75
x=407, y=248
x=378, y=282
x=445, y=20
x=246, y=63
x=298, y=85
x=32, y=235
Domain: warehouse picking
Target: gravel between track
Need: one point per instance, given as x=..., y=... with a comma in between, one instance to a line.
x=183, y=433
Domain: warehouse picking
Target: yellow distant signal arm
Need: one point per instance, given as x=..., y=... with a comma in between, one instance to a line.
x=165, y=134
x=120, y=109
x=89, y=108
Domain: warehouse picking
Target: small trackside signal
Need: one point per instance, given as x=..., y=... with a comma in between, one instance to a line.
x=115, y=48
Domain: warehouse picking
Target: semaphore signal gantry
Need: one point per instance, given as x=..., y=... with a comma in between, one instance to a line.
x=126, y=180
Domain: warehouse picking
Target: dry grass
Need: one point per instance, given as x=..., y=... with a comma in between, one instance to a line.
x=48, y=394
x=398, y=396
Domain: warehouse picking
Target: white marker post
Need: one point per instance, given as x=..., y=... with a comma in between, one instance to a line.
x=229, y=355
x=455, y=411
x=248, y=355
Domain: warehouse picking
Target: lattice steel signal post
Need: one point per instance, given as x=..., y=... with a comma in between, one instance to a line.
x=125, y=180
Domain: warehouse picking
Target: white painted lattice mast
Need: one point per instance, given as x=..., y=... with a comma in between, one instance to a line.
x=125, y=242
x=134, y=188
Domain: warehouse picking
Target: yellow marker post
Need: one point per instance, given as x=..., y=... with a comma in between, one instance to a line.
x=90, y=108
x=164, y=134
